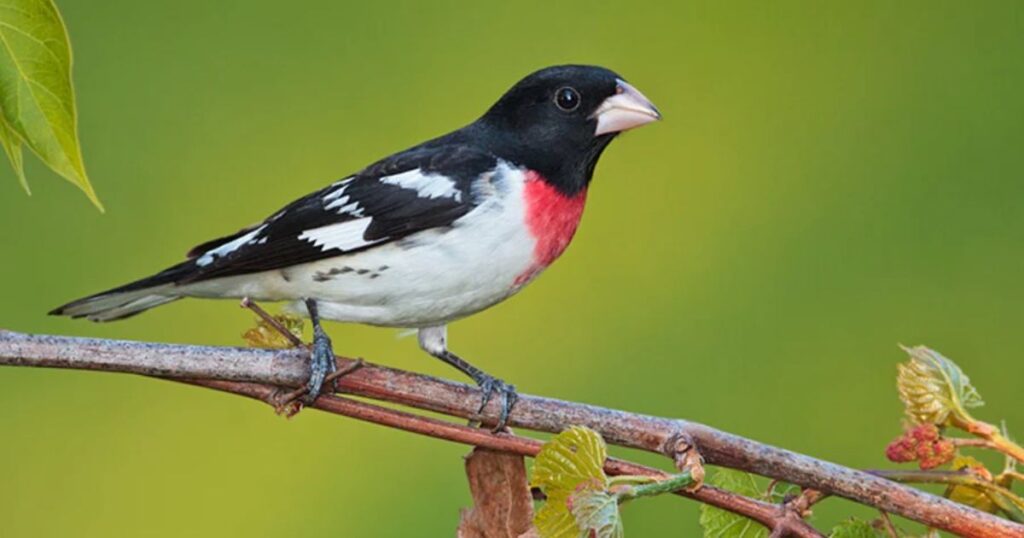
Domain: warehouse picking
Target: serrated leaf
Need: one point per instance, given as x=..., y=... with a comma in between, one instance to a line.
x=36, y=96
x=554, y=520
x=718, y=523
x=596, y=513
x=264, y=335
x=12, y=147
x=855, y=528
x=569, y=464
x=934, y=389
x=570, y=458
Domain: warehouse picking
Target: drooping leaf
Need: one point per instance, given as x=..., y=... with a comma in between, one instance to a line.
x=12, y=147
x=855, y=528
x=36, y=96
x=264, y=335
x=934, y=389
x=718, y=523
x=969, y=495
x=596, y=513
x=568, y=466
x=502, y=504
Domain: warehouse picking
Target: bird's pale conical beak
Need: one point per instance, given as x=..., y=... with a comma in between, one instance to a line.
x=627, y=109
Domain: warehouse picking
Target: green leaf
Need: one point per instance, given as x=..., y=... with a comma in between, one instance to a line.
x=568, y=466
x=12, y=146
x=36, y=96
x=855, y=528
x=581, y=500
x=934, y=389
x=570, y=458
x=596, y=513
x=718, y=523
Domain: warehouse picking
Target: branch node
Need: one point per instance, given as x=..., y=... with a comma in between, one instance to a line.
x=285, y=402
x=683, y=450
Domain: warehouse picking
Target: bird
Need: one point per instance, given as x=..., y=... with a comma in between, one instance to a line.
x=424, y=237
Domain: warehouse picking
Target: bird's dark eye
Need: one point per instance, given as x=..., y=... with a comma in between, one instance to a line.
x=567, y=99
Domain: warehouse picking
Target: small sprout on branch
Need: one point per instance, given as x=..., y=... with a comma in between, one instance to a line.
x=936, y=394
x=934, y=389
x=265, y=335
x=924, y=444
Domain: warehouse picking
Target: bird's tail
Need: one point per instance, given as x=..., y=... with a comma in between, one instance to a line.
x=130, y=299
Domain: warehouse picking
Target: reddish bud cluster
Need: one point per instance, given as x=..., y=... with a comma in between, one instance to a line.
x=923, y=444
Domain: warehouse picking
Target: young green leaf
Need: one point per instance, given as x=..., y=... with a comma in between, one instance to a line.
x=571, y=457
x=12, y=146
x=581, y=500
x=855, y=528
x=718, y=523
x=934, y=389
x=36, y=96
x=568, y=467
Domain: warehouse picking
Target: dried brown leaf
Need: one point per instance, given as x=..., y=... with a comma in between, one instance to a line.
x=502, y=504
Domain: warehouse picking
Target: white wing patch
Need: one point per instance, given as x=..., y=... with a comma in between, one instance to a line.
x=337, y=199
x=345, y=207
x=343, y=236
x=227, y=248
x=425, y=185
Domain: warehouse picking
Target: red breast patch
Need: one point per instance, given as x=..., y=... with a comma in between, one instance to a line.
x=552, y=219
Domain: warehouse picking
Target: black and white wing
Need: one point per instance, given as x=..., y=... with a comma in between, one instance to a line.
x=419, y=189
x=430, y=186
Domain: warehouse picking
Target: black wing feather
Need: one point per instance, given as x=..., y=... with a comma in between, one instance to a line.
x=395, y=212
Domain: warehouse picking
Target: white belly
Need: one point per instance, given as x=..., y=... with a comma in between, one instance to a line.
x=426, y=279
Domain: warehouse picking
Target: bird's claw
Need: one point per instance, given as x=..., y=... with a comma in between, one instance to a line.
x=321, y=363
x=489, y=386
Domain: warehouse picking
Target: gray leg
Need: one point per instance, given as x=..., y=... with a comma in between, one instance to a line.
x=434, y=340
x=321, y=360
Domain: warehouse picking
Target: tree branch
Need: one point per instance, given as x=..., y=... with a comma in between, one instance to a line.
x=767, y=514
x=289, y=368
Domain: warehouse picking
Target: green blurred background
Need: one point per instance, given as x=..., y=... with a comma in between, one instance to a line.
x=829, y=180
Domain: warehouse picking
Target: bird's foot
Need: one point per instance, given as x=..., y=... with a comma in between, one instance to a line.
x=489, y=386
x=321, y=363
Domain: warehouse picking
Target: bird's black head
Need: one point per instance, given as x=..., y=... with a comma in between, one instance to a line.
x=558, y=120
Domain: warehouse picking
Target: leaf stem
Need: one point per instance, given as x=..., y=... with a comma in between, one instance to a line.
x=1006, y=446
x=673, y=483
x=1013, y=475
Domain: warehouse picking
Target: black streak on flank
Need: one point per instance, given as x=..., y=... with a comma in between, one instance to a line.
x=324, y=276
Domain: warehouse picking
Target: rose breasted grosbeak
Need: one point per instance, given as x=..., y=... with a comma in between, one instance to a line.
x=426, y=236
